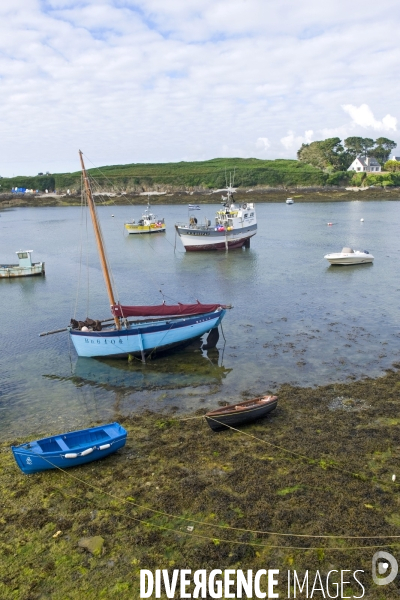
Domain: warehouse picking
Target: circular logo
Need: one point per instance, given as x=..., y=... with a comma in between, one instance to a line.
x=381, y=561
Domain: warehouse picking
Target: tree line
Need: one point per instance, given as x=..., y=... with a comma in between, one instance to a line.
x=334, y=155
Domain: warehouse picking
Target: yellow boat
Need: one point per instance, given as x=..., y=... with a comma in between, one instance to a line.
x=149, y=223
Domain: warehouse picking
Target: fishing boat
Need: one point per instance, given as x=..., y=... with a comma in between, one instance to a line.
x=24, y=268
x=240, y=413
x=69, y=449
x=149, y=223
x=233, y=227
x=155, y=328
x=348, y=256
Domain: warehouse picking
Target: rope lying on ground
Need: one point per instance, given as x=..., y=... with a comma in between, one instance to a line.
x=129, y=501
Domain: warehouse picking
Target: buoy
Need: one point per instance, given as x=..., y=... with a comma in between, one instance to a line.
x=393, y=477
x=361, y=220
x=112, y=215
x=329, y=224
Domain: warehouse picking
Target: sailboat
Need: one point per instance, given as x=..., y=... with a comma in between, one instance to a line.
x=156, y=328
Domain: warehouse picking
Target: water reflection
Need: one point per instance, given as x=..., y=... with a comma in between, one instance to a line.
x=168, y=373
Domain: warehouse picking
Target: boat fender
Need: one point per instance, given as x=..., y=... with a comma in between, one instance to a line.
x=71, y=455
x=104, y=446
x=87, y=451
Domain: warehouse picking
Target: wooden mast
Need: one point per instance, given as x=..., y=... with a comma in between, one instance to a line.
x=99, y=240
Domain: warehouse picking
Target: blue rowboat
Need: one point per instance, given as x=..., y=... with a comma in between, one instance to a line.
x=69, y=449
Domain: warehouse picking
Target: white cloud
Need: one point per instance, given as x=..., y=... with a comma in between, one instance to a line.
x=263, y=143
x=291, y=141
x=363, y=116
x=155, y=81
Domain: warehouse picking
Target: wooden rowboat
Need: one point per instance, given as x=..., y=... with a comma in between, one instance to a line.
x=240, y=413
x=69, y=449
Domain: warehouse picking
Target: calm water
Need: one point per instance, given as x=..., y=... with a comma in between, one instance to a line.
x=295, y=319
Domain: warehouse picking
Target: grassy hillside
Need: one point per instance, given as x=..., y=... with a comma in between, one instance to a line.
x=206, y=174
x=202, y=175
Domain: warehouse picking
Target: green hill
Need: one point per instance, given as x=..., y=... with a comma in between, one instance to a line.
x=208, y=174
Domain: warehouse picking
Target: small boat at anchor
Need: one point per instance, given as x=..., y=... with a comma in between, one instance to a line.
x=149, y=223
x=348, y=256
x=241, y=413
x=289, y=201
x=155, y=328
x=24, y=268
x=235, y=225
x=69, y=449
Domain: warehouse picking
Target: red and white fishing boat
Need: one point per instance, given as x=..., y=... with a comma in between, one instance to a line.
x=234, y=226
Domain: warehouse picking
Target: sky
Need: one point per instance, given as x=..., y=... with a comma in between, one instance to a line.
x=151, y=81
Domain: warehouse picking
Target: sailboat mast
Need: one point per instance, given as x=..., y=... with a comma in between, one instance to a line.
x=99, y=239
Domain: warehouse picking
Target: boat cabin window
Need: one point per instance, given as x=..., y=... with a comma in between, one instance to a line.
x=22, y=255
x=246, y=215
x=252, y=214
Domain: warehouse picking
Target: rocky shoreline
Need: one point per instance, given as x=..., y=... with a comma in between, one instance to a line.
x=206, y=197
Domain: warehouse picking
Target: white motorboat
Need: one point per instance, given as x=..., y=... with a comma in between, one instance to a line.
x=289, y=201
x=348, y=256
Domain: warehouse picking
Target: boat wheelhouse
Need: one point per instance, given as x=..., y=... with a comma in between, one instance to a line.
x=24, y=268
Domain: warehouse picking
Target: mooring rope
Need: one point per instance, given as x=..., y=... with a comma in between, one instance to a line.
x=129, y=501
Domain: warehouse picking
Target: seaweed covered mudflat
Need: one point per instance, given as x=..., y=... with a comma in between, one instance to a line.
x=179, y=496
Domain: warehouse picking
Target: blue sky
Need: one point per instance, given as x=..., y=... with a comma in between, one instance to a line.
x=155, y=81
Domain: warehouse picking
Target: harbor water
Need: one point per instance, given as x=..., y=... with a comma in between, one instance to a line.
x=295, y=319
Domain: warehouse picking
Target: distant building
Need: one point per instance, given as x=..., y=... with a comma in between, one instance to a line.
x=366, y=164
x=397, y=158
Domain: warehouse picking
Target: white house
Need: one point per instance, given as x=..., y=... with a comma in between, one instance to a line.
x=362, y=163
x=397, y=158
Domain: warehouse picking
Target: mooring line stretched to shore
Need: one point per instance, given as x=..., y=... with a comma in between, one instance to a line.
x=227, y=527
x=303, y=456
x=218, y=540
x=323, y=463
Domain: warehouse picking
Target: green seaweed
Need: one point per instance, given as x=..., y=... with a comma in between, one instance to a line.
x=181, y=496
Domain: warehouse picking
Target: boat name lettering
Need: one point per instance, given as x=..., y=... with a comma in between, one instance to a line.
x=29, y=460
x=120, y=341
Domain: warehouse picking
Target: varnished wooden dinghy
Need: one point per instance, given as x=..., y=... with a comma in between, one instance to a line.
x=240, y=413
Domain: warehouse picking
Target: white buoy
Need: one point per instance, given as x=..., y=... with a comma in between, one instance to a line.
x=112, y=215
x=393, y=477
x=362, y=220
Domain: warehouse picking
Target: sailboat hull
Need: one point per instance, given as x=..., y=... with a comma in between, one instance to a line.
x=144, y=337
